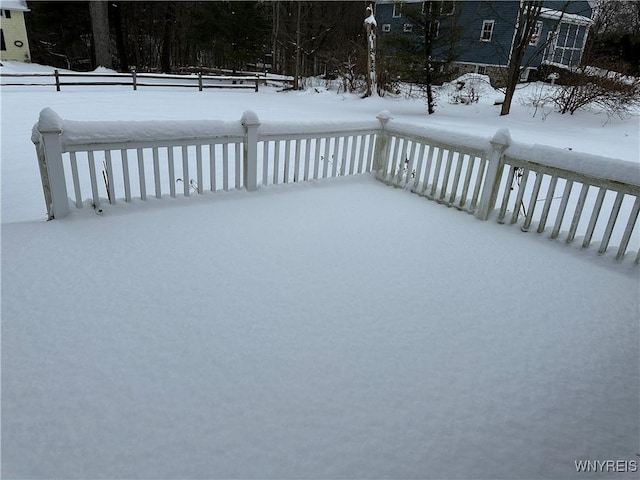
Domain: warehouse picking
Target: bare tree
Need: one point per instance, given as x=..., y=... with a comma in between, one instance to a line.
x=371, y=26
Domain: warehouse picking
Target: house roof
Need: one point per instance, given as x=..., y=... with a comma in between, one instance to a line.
x=14, y=5
x=565, y=17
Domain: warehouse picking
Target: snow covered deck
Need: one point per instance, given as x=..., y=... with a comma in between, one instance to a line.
x=335, y=329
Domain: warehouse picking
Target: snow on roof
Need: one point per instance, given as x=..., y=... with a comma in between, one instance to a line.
x=14, y=5
x=565, y=17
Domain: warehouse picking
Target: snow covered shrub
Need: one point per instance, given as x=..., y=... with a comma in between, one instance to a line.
x=617, y=94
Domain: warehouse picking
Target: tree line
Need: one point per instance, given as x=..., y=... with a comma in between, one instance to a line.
x=286, y=37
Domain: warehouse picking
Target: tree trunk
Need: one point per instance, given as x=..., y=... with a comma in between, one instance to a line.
x=100, y=27
x=428, y=34
x=296, y=77
x=168, y=36
x=528, y=15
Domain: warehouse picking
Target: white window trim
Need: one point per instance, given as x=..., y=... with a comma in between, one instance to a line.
x=486, y=23
x=407, y=27
x=397, y=10
x=386, y=27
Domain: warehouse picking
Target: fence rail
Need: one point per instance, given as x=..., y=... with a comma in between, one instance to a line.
x=136, y=80
x=567, y=194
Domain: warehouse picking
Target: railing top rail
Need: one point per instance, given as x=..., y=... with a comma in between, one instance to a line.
x=276, y=129
x=594, y=166
x=74, y=133
x=475, y=143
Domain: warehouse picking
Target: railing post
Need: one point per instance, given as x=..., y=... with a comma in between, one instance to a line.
x=499, y=144
x=50, y=127
x=381, y=154
x=250, y=122
x=134, y=78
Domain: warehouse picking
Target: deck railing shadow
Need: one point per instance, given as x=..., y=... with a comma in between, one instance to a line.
x=568, y=194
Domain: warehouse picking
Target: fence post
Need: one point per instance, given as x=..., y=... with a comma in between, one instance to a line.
x=56, y=74
x=250, y=122
x=134, y=78
x=200, y=81
x=381, y=154
x=499, y=144
x=50, y=127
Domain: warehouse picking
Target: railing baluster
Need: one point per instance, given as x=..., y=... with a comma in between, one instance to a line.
x=369, y=160
x=629, y=229
x=76, y=179
x=287, y=159
x=467, y=180
x=482, y=167
x=172, y=172
x=506, y=195
x=394, y=158
x=307, y=157
x=611, y=223
x=225, y=167
x=521, y=188
x=156, y=172
x=212, y=167
x=276, y=162
x=339, y=141
x=186, y=181
x=427, y=172
x=532, y=202
x=296, y=170
x=456, y=177
x=125, y=174
x=594, y=217
x=436, y=172
x=416, y=180
x=199, y=178
x=325, y=167
x=94, y=182
x=562, y=209
x=447, y=173
x=316, y=158
x=265, y=163
x=578, y=212
x=363, y=141
x=110, y=182
x=352, y=161
x=238, y=169
x=141, y=177
x=547, y=204
x=411, y=163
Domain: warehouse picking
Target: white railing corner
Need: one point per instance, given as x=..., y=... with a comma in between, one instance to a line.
x=499, y=143
x=49, y=150
x=250, y=122
x=381, y=154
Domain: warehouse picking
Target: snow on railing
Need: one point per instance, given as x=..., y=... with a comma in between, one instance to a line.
x=532, y=185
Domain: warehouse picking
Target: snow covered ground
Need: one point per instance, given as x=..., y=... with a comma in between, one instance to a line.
x=333, y=329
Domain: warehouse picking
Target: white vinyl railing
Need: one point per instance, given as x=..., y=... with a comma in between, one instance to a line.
x=573, y=195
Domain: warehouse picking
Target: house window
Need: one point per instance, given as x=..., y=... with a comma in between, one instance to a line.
x=566, y=44
x=535, y=34
x=447, y=7
x=407, y=27
x=482, y=69
x=397, y=10
x=5, y=13
x=386, y=27
x=487, y=30
x=436, y=29
x=3, y=46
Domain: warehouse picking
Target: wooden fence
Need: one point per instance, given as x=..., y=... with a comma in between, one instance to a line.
x=580, y=195
x=137, y=80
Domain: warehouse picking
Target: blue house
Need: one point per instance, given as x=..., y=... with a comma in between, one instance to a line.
x=485, y=32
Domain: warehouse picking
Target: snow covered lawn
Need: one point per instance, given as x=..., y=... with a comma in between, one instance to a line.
x=338, y=329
